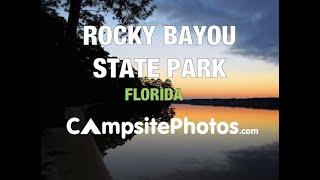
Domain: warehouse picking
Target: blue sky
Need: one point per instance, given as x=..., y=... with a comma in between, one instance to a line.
x=252, y=62
x=257, y=22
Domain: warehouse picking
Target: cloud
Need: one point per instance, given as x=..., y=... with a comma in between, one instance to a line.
x=257, y=22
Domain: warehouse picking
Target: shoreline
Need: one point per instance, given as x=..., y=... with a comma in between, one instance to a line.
x=253, y=103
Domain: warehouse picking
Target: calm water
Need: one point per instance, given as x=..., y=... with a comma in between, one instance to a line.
x=155, y=156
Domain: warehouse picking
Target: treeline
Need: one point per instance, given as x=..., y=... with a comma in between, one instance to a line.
x=256, y=103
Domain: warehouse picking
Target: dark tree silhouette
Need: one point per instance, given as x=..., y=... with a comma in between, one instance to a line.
x=59, y=85
x=103, y=98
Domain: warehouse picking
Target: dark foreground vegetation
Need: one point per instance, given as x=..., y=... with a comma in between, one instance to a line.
x=67, y=79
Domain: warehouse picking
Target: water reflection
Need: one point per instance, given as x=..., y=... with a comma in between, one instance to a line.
x=250, y=164
x=170, y=157
x=205, y=156
x=107, y=112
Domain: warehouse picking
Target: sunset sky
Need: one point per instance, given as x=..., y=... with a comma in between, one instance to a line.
x=252, y=63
